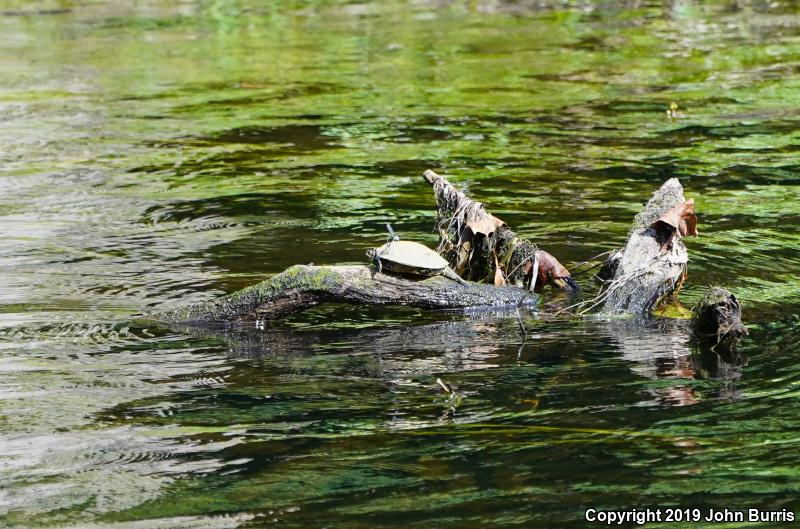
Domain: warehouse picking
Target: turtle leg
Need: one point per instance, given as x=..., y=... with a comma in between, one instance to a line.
x=449, y=273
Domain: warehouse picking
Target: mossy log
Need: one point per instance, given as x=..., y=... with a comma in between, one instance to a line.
x=652, y=264
x=717, y=318
x=303, y=286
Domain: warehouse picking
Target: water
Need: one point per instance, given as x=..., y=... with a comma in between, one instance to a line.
x=165, y=153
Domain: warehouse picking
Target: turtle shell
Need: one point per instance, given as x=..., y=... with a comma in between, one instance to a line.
x=410, y=257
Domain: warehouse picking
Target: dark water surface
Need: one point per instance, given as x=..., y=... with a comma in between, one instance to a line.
x=160, y=153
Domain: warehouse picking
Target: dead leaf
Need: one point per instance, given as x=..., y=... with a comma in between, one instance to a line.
x=485, y=224
x=499, y=276
x=462, y=256
x=550, y=270
x=681, y=219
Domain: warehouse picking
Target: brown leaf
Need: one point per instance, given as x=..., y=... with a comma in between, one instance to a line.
x=486, y=224
x=499, y=277
x=681, y=218
x=551, y=272
x=462, y=256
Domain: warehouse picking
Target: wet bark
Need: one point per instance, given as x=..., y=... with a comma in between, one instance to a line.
x=301, y=287
x=652, y=264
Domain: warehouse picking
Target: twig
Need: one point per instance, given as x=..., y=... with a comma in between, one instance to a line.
x=572, y=268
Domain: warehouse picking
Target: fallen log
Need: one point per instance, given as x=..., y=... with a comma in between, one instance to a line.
x=652, y=264
x=303, y=286
x=486, y=251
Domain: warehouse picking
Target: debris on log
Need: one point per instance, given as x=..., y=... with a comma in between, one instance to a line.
x=303, y=286
x=717, y=317
x=652, y=264
x=481, y=247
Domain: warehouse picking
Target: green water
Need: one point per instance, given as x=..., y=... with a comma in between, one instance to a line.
x=154, y=154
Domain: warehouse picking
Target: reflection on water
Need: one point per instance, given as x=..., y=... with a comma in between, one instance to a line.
x=160, y=154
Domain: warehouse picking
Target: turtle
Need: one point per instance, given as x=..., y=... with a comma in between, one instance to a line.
x=411, y=258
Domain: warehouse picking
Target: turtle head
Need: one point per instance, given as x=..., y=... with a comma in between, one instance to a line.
x=374, y=256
